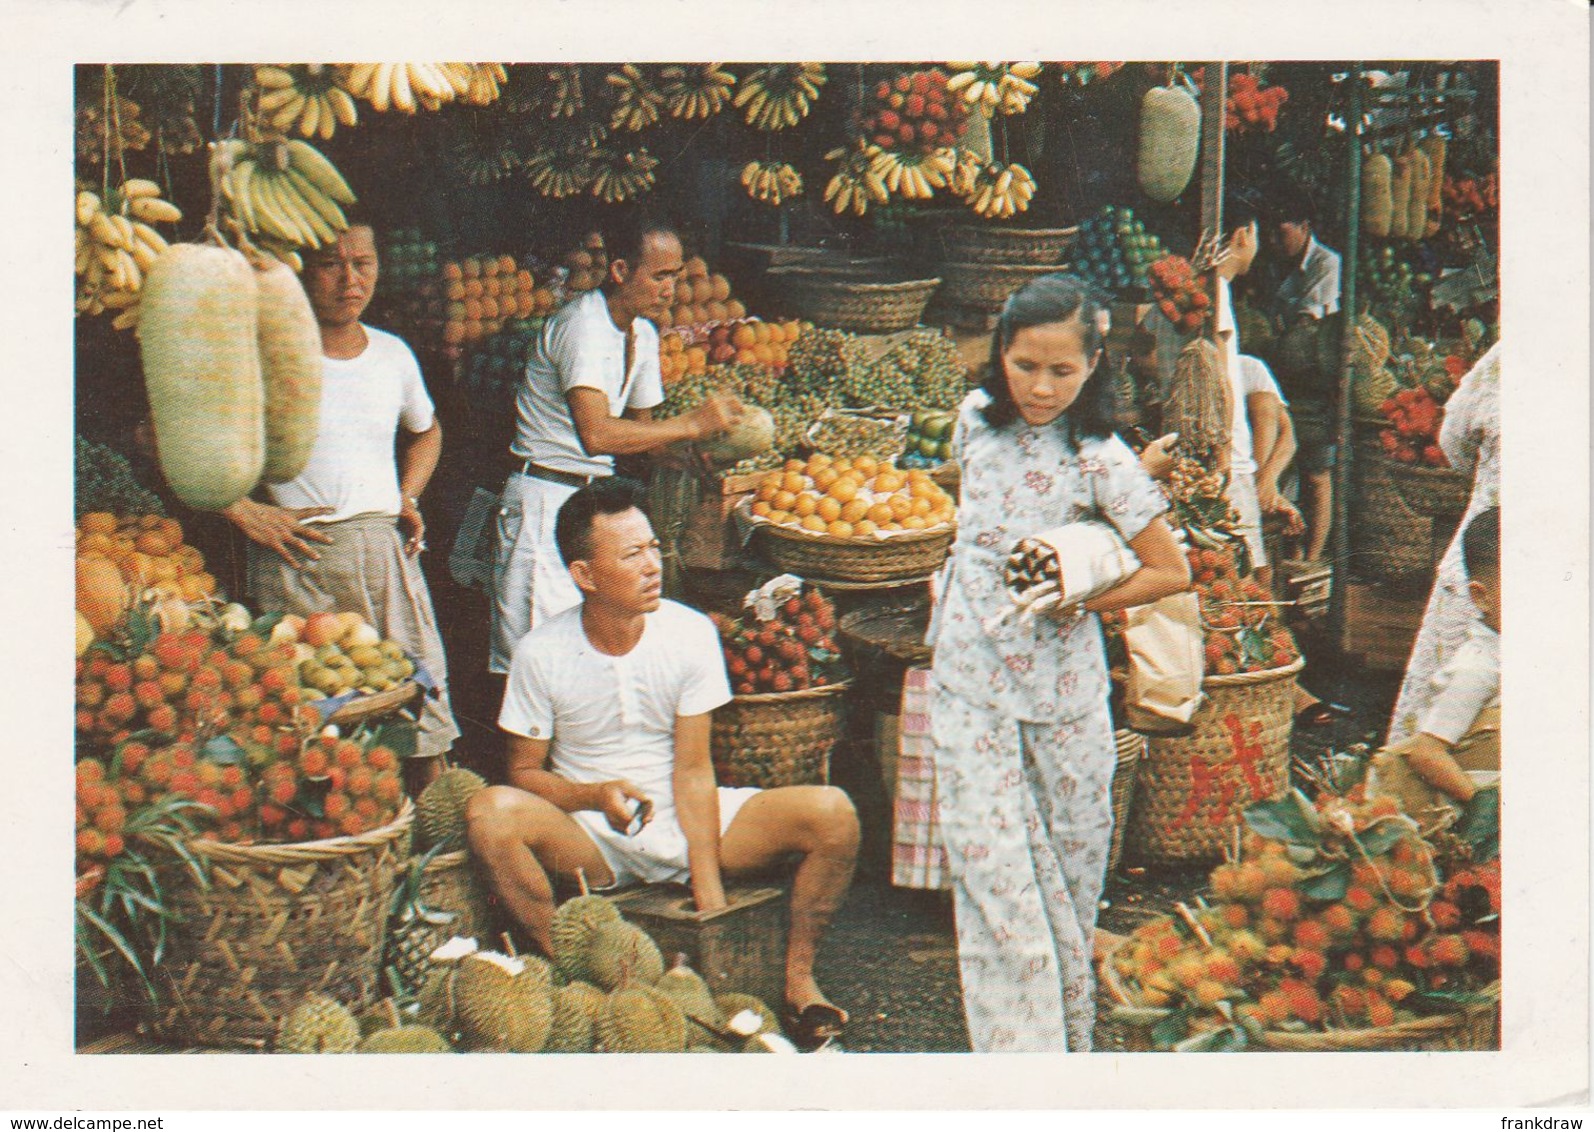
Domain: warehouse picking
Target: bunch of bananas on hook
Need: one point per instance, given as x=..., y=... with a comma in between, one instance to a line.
x=637, y=102
x=856, y=184
x=778, y=95
x=304, y=98
x=990, y=87
x=407, y=87
x=622, y=176
x=285, y=191
x=697, y=91
x=914, y=175
x=999, y=193
x=115, y=246
x=771, y=181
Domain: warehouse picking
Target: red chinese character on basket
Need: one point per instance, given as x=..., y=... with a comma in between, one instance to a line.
x=1213, y=785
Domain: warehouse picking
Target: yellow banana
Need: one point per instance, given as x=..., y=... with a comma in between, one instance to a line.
x=403, y=93
x=268, y=209
x=153, y=210
x=138, y=188
x=321, y=172
x=360, y=78
x=88, y=204
x=305, y=212
x=381, y=91
x=1004, y=181
x=343, y=106
x=144, y=256
x=101, y=228
x=271, y=101
x=127, y=320
x=239, y=191
x=273, y=78
x=150, y=238
x=310, y=120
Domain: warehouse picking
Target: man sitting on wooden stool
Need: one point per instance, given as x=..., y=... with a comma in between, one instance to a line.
x=608, y=708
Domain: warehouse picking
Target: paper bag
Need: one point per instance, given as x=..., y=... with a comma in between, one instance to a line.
x=1167, y=662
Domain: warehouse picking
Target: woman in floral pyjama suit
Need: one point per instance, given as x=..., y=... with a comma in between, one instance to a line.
x=1024, y=752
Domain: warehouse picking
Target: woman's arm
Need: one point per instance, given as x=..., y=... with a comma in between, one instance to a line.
x=1163, y=571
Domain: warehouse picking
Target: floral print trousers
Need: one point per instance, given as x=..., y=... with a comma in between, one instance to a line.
x=1026, y=814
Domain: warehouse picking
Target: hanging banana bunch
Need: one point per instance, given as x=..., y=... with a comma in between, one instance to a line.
x=304, y=98
x=483, y=156
x=1000, y=193
x=966, y=166
x=856, y=183
x=115, y=246
x=622, y=176
x=565, y=97
x=915, y=175
x=282, y=195
x=779, y=95
x=407, y=87
x=989, y=87
x=771, y=181
x=697, y=91
x=483, y=82
x=637, y=102
x=568, y=168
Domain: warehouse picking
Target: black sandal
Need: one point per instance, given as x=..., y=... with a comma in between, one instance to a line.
x=814, y=1026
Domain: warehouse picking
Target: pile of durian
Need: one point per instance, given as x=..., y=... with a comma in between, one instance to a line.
x=605, y=990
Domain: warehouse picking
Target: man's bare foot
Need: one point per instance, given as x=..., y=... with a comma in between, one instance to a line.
x=802, y=993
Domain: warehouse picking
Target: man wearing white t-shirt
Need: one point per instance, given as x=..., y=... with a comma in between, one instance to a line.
x=344, y=534
x=608, y=710
x=591, y=386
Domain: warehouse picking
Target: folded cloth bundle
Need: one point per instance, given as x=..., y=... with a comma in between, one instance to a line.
x=1067, y=565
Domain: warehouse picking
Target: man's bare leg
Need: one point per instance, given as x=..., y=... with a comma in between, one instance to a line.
x=520, y=839
x=819, y=823
x=1319, y=487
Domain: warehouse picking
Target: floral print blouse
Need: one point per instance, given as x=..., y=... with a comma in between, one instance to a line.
x=1018, y=481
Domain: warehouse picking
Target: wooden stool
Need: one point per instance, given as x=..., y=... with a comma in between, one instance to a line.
x=741, y=947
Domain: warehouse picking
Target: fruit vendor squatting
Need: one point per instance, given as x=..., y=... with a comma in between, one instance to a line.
x=589, y=393
x=346, y=534
x=608, y=705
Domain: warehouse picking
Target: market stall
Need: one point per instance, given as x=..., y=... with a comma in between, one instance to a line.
x=253, y=871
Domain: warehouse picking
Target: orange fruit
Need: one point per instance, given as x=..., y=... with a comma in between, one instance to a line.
x=795, y=481
x=864, y=527
x=807, y=504
x=842, y=465
x=762, y=508
x=844, y=490
x=901, y=506
x=887, y=482
x=814, y=523
x=767, y=491
x=828, y=509
x=784, y=500
x=506, y=266
x=794, y=465
x=744, y=336
x=747, y=357
x=97, y=523
x=95, y=544
x=780, y=517
x=761, y=333
x=764, y=353
x=868, y=465
x=914, y=523
x=922, y=507
x=923, y=489
x=823, y=459
x=154, y=543
x=880, y=513
x=452, y=272
x=524, y=281
x=891, y=526
x=454, y=291
x=696, y=359
x=840, y=529
x=854, y=511
x=474, y=288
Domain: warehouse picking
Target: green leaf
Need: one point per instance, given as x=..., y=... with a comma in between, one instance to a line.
x=1171, y=1029
x=1384, y=836
x=1140, y=1015
x=1204, y=1042
x=1281, y=820
x=223, y=750
x=141, y=630
x=1329, y=885
x=261, y=626
x=1230, y=1039
x=1479, y=826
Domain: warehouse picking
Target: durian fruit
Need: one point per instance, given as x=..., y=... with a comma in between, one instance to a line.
x=623, y=953
x=440, y=810
x=576, y=1007
x=734, y=1003
x=686, y=988
x=502, y=1003
x=575, y=922
x=405, y=1039
x=437, y=1002
x=638, y=1019
x=318, y=1025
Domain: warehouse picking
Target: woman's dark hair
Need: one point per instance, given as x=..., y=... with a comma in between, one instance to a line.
x=1058, y=297
x=625, y=234
x=1480, y=546
x=611, y=495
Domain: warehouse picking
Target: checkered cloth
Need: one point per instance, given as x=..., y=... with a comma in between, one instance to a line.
x=918, y=859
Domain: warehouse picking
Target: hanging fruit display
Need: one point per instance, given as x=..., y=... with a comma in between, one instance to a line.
x=407, y=87
x=286, y=194
x=115, y=245
x=697, y=91
x=779, y=95
x=304, y=98
x=638, y=103
x=916, y=174
x=771, y=181
x=913, y=111
x=1170, y=137
x=993, y=87
x=622, y=175
x=1180, y=293
x=1250, y=106
x=856, y=184
x=1083, y=74
x=1000, y=192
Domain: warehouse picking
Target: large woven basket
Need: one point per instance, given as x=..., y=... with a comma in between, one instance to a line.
x=1389, y=541
x=844, y=302
x=980, y=243
x=1131, y=746
x=1192, y=788
x=778, y=738
x=449, y=883
x=1438, y=493
x=901, y=557
x=985, y=286
x=275, y=923
x=1474, y=1027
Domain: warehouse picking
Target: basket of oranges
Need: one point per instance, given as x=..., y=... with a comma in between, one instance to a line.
x=852, y=519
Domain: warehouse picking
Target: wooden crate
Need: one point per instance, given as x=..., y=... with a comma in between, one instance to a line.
x=741, y=947
x=1381, y=622
x=1307, y=584
x=709, y=541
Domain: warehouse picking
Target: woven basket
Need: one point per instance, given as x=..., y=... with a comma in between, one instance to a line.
x=986, y=286
x=449, y=883
x=1437, y=493
x=779, y=738
x=275, y=923
x=1131, y=746
x=1475, y=1027
x=1193, y=787
x=912, y=554
x=979, y=243
x=1390, y=542
x=861, y=306
x=896, y=630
